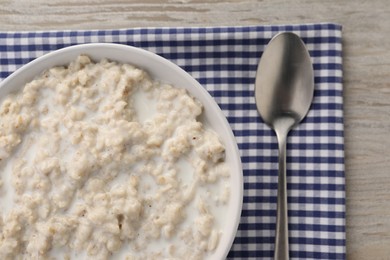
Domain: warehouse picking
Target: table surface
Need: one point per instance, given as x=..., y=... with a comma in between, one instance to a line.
x=366, y=57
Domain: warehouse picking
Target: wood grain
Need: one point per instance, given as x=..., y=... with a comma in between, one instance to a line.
x=366, y=36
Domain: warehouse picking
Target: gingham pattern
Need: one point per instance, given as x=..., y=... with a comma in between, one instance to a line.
x=224, y=61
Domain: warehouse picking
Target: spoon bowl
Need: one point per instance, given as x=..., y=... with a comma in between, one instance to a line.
x=284, y=89
x=284, y=80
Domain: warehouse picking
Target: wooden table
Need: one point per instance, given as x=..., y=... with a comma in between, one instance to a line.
x=366, y=43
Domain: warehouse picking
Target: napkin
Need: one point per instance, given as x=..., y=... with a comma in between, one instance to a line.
x=224, y=60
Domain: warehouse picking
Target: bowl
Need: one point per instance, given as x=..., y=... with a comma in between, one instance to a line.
x=166, y=71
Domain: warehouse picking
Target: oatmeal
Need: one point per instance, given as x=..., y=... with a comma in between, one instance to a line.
x=99, y=161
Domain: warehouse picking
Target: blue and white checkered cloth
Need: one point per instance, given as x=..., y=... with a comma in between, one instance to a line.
x=224, y=60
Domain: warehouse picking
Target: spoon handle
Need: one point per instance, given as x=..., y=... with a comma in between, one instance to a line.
x=281, y=239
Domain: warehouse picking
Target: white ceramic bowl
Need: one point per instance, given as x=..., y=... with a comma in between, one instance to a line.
x=166, y=71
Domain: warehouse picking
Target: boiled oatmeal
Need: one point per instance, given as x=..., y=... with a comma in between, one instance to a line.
x=100, y=161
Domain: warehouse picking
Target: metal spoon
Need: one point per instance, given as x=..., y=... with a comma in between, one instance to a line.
x=284, y=91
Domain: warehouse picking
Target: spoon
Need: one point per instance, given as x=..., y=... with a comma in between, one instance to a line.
x=284, y=90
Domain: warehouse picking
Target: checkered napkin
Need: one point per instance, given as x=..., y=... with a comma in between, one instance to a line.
x=224, y=60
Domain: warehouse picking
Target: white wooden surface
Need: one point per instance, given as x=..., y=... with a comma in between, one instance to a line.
x=366, y=39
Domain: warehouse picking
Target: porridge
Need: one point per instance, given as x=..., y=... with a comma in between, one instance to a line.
x=99, y=161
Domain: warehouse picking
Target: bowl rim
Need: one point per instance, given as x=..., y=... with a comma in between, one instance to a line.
x=27, y=72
